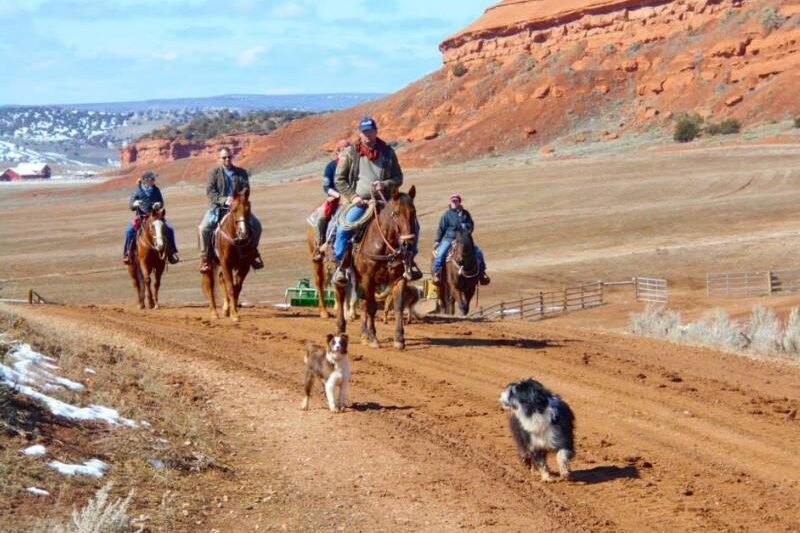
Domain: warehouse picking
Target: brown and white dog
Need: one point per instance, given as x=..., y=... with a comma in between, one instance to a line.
x=332, y=365
x=410, y=298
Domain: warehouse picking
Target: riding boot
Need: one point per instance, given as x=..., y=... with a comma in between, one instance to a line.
x=484, y=279
x=339, y=275
x=257, y=263
x=173, y=258
x=126, y=259
x=435, y=276
x=317, y=256
x=416, y=273
x=204, y=264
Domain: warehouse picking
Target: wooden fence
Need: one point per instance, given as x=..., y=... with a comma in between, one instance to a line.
x=546, y=303
x=744, y=284
x=654, y=290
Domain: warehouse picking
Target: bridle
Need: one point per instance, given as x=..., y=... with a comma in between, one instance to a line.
x=149, y=232
x=460, y=266
x=391, y=257
x=242, y=222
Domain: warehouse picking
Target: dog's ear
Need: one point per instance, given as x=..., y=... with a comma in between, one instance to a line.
x=328, y=338
x=344, y=337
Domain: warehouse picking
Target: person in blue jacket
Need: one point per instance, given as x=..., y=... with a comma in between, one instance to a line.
x=141, y=202
x=454, y=218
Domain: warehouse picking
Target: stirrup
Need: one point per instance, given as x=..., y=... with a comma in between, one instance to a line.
x=416, y=273
x=205, y=267
x=174, y=258
x=126, y=259
x=257, y=263
x=435, y=277
x=317, y=256
x=484, y=279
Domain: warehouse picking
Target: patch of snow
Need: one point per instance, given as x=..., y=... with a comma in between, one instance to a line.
x=38, y=491
x=157, y=464
x=89, y=371
x=29, y=374
x=92, y=467
x=36, y=450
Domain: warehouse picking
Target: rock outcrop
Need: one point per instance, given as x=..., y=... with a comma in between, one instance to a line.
x=562, y=68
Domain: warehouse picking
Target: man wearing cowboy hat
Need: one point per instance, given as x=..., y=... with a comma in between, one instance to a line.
x=454, y=218
x=144, y=197
x=368, y=166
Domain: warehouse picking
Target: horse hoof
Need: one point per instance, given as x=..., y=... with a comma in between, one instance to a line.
x=141, y=306
x=234, y=319
x=325, y=315
x=214, y=316
x=374, y=344
x=156, y=307
x=399, y=345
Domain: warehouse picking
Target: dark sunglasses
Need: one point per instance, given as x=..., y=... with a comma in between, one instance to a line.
x=227, y=157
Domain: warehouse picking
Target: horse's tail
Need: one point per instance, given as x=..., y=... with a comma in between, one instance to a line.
x=381, y=296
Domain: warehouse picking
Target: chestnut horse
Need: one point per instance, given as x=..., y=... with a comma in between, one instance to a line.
x=461, y=275
x=383, y=256
x=321, y=277
x=148, y=256
x=234, y=251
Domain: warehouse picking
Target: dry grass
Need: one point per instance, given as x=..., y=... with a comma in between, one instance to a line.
x=164, y=460
x=97, y=516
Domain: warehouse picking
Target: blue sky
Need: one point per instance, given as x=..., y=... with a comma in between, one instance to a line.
x=76, y=51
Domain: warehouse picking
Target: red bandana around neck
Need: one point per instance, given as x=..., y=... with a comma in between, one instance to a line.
x=370, y=153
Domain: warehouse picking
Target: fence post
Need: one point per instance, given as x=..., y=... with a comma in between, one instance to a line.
x=602, y=293
x=521, y=308
x=30, y=296
x=635, y=288
x=564, y=303
x=541, y=304
x=769, y=282
x=502, y=310
x=583, y=302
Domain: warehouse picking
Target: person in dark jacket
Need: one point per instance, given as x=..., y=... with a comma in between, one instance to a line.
x=454, y=218
x=331, y=199
x=223, y=181
x=365, y=168
x=142, y=200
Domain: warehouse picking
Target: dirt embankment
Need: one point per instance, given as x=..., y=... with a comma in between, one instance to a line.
x=669, y=437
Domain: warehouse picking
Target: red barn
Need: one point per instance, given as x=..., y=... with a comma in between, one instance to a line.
x=26, y=171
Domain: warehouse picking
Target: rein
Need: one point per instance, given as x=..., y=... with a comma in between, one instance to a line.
x=394, y=252
x=227, y=237
x=148, y=242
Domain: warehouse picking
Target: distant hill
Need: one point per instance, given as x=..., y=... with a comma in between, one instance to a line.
x=242, y=102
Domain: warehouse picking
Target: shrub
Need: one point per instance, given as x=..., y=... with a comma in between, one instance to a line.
x=797, y=122
x=97, y=516
x=717, y=329
x=771, y=19
x=687, y=128
x=458, y=69
x=531, y=64
x=764, y=330
x=657, y=321
x=790, y=343
x=726, y=127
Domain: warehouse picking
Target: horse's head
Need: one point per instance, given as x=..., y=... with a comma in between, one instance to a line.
x=400, y=209
x=155, y=226
x=240, y=213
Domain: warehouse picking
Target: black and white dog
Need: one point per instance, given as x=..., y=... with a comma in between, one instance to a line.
x=332, y=365
x=541, y=422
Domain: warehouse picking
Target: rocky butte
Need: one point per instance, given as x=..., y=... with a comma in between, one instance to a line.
x=530, y=74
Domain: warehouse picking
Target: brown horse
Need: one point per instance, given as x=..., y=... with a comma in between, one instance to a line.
x=383, y=257
x=461, y=275
x=148, y=256
x=234, y=251
x=320, y=273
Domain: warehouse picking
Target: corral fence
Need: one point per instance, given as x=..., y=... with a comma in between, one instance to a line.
x=546, y=303
x=745, y=284
x=652, y=290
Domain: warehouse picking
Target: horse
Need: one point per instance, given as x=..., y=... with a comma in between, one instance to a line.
x=148, y=256
x=461, y=275
x=234, y=251
x=321, y=275
x=383, y=256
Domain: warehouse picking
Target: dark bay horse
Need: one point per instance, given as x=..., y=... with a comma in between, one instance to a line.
x=382, y=257
x=234, y=251
x=461, y=275
x=148, y=256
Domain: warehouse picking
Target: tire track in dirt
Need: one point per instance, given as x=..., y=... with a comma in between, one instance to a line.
x=644, y=463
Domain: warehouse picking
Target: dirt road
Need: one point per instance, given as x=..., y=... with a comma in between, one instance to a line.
x=669, y=438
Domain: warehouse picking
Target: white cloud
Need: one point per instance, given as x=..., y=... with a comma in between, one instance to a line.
x=170, y=55
x=288, y=10
x=249, y=56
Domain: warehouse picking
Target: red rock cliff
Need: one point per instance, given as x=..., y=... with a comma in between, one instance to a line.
x=533, y=72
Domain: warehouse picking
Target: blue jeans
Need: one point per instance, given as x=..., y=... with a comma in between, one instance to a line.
x=444, y=247
x=343, y=235
x=130, y=233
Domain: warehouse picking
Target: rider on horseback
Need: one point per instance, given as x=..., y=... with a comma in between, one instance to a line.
x=223, y=181
x=454, y=218
x=146, y=195
x=370, y=167
x=331, y=200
